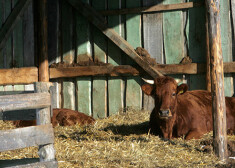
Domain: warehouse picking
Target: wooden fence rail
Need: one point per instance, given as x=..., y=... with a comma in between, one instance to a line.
x=41, y=135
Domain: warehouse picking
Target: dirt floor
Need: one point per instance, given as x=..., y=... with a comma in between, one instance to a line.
x=123, y=141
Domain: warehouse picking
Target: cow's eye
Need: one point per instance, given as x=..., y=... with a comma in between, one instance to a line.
x=173, y=94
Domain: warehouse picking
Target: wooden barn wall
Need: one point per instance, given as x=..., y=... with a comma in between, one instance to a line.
x=19, y=48
x=168, y=36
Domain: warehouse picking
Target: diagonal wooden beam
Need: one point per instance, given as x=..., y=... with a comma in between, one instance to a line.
x=152, y=9
x=11, y=21
x=97, y=19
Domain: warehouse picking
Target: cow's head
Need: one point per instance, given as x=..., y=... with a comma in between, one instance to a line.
x=165, y=91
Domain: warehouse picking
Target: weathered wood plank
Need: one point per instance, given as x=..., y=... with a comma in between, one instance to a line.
x=1, y=23
x=133, y=36
x=68, y=94
x=26, y=137
x=153, y=41
x=18, y=42
x=154, y=8
x=67, y=31
x=99, y=90
x=18, y=76
x=29, y=163
x=28, y=32
x=18, y=47
x=46, y=152
x=115, y=85
x=8, y=41
x=24, y=101
x=84, y=53
x=99, y=22
x=196, y=43
x=217, y=84
x=6, y=30
x=173, y=40
x=226, y=43
x=84, y=95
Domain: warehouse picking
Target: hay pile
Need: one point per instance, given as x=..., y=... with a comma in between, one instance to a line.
x=123, y=141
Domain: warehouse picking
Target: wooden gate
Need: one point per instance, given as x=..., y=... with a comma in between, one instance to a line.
x=41, y=135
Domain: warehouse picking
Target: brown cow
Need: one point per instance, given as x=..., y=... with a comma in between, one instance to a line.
x=62, y=117
x=179, y=112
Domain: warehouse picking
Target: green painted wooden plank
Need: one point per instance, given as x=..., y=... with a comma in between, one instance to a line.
x=83, y=91
x=99, y=98
x=196, y=38
x=69, y=94
x=226, y=43
x=84, y=95
x=68, y=53
x=173, y=30
x=18, y=47
x=115, y=85
x=99, y=91
x=133, y=36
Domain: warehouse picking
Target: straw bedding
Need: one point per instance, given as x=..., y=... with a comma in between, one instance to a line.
x=123, y=141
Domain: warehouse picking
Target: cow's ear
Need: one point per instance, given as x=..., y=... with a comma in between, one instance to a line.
x=181, y=89
x=147, y=89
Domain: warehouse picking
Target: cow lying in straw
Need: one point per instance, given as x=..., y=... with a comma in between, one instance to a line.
x=179, y=112
x=62, y=117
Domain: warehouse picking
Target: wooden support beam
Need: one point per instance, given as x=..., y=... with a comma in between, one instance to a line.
x=18, y=76
x=155, y=8
x=11, y=21
x=24, y=101
x=217, y=81
x=95, y=18
x=42, y=44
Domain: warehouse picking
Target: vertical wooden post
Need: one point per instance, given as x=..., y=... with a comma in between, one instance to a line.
x=42, y=45
x=217, y=79
x=208, y=62
x=46, y=152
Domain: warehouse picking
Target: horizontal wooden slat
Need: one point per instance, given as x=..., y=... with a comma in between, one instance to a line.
x=24, y=101
x=155, y=8
x=27, y=163
x=18, y=76
x=93, y=71
x=26, y=137
x=126, y=70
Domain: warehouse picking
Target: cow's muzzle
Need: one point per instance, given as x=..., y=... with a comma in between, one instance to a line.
x=165, y=113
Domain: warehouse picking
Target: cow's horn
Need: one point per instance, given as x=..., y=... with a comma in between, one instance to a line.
x=148, y=81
